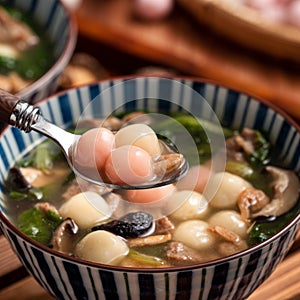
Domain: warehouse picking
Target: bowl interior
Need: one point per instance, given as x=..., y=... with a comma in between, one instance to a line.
x=206, y=100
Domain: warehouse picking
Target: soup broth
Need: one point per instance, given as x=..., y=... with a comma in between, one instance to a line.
x=49, y=204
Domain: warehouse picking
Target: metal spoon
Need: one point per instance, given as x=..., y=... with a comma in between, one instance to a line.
x=26, y=117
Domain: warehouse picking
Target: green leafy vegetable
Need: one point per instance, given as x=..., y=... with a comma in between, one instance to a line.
x=39, y=224
x=32, y=194
x=42, y=157
x=146, y=259
x=201, y=131
x=7, y=64
x=261, y=231
x=199, y=125
x=240, y=169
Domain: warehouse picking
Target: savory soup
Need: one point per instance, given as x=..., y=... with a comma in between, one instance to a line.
x=253, y=198
x=26, y=53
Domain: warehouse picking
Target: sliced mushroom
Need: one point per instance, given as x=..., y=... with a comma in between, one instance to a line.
x=285, y=185
x=132, y=225
x=17, y=181
x=251, y=201
x=167, y=163
x=64, y=236
x=231, y=242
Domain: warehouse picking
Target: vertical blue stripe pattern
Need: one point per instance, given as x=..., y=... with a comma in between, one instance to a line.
x=64, y=105
x=234, y=278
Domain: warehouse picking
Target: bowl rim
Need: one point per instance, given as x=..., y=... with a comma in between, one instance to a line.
x=63, y=58
x=223, y=260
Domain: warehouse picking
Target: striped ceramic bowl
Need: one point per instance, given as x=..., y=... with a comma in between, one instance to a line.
x=233, y=277
x=61, y=28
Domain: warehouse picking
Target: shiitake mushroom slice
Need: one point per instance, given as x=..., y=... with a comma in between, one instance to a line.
x=132, y=225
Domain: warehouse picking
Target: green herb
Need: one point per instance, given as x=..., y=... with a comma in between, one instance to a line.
x=42, y=157
x=264, y=230
x=39, y=224
x=240, y=169
x=146, y=259
x=261, y=155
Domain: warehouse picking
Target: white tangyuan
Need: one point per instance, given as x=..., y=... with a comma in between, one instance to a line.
x=231, y=220
x=140, y=135
x=226, y=188
x=194, y=234
x=187, y=205
x=103, y=247
x=86, y=209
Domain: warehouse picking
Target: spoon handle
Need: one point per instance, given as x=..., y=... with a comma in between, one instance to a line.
x=7, y=104
x=17, y=112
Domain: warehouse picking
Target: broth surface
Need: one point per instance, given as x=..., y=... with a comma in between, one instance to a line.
x=197, y=230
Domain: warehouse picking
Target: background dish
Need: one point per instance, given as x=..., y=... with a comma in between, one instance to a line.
x=247, y=26
x=60, y=26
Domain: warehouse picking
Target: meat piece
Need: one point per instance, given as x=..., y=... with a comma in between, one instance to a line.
x=180, y=253
x=163, y=225
x=149, y=240
x=46, y=206
x=241, y=145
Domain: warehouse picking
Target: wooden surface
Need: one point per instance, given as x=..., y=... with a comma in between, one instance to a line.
x=193, y=49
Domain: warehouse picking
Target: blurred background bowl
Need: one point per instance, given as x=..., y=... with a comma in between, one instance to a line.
x=233, y=277
x=56, y=22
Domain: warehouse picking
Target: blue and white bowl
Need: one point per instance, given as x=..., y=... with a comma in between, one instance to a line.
x=60, y=26
x=233, y=277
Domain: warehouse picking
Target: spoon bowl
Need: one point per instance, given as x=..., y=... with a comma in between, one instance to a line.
x=26, y=117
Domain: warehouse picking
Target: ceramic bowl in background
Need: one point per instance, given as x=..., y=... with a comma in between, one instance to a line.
x=59, y=25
